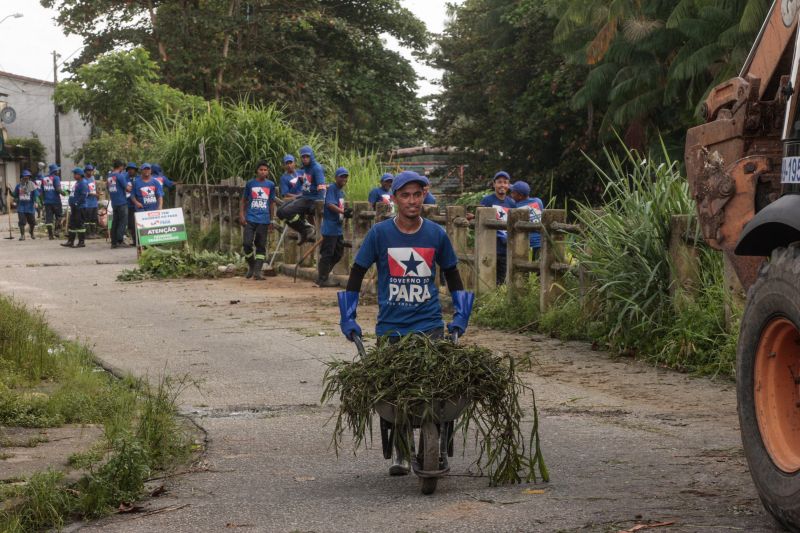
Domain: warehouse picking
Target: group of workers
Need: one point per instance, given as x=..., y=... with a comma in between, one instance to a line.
x=130, y=189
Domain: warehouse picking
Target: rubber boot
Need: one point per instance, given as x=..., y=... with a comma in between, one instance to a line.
x=401, y=466
x=70, y=241
x=257, y=264
x=81, y=237
x=22, y=233
x=307, y=235
x=250, y=267
x=50, y=233
x=31, y=232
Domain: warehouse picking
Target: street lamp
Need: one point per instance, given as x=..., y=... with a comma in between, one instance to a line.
x=13, y=15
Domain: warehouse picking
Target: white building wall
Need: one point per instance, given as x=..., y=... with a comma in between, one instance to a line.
x=33, y=101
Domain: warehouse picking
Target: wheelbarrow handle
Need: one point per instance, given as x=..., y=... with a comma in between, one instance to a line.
x=360, y=346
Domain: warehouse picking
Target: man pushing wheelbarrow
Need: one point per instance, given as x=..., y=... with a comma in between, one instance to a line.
x=406, y=250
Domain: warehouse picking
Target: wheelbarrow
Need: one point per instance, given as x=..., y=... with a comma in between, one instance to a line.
x=436, y=424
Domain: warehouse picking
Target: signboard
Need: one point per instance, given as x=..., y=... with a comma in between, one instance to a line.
x=66, y=186
x=160, y=227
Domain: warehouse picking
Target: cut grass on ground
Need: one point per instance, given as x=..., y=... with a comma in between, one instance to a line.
x=46, y=382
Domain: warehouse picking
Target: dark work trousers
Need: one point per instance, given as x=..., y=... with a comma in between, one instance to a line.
x=294, y=212
x=76, y=228
x=330, y=253
x=26, y=218
x=52, y=216
x=132, y=223
x=255, y=235
x=90, y=220
x=119, y=223
x=500, y=278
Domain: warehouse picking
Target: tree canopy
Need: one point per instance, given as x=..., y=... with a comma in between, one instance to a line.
x=325, y=61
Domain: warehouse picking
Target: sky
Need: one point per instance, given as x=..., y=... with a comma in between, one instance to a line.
x=29, y=41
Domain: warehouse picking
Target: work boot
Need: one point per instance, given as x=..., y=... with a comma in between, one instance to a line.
x=32, y=235
x=257, y=264
x=307, y=235
x=326, y=282
x=250, y=267
x=69, y=244
x=50, y=233
x=400, y=464
x=22, y=234
x=80, y=244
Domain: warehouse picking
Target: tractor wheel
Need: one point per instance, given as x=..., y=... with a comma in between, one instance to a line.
x=768, y=385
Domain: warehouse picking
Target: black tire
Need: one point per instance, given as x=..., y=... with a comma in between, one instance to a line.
x=773, y=299
x=429, y=455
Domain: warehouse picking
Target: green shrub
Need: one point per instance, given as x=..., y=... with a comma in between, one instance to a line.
x=162, y=263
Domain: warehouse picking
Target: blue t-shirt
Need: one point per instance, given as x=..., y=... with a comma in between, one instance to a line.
x=379, y=195
x=332, y=222
x=536, y=207
x=164, y=181
x=292, y=183
x=313, y=181
x=258, y=197
x=116, y=185
x=91, y=200
x=51, y=189
x=80, y=192
x=408, y=299
x=129, y=196
x=429, y=199
x=147, y=193
x=501, y=207
x=25, y=199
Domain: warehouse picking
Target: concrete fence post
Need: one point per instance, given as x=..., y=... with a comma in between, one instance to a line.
x=552, y=255
x=518, y=253
x=485, y=260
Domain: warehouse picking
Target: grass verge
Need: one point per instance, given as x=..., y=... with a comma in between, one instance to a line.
x=46, y=382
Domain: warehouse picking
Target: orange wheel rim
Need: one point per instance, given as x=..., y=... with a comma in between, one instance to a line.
x=777, y=392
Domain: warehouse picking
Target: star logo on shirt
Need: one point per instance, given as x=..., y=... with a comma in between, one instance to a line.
x=412, y=264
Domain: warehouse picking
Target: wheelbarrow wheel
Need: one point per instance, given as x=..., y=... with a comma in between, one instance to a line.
x=429, y=451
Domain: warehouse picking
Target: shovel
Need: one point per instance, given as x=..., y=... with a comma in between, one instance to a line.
x=269, y=270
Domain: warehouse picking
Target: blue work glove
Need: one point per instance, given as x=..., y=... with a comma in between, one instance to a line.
x=462, y=305
x=348, y=303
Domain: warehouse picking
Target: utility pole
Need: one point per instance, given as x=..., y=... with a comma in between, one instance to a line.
x=55, y=109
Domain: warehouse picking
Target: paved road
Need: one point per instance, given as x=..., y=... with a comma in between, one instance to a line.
x=625, y=443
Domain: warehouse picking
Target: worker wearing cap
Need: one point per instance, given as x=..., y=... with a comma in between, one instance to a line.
x=26, y=194
x=406, y=250
x=92, y=202
x=501, y=203
x=313, y=189
x=119, y=187
x=77, y=203
x=382, y=194
x=133, y=174
x=51, y=196
x=429, y=199
x=291, y=183
x=333, y=215
x=256, y=211
x=158, y=175
x=520, y=193
x=147, y=192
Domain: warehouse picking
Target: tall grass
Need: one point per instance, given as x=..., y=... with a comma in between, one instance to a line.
x=630, y=304
x=238, y=135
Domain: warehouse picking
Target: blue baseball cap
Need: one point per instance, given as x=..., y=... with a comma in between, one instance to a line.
x=409, y=176
x=306, y=150
x=341, y=171
x=157, y=169
x=387, y=177
x=78, y=171
x=26, y=173
x=502, y=174
x=145, y=166
x=53, y=167
x=131, y=165
x=288, y=158
x=88, y=167
x=520, y=187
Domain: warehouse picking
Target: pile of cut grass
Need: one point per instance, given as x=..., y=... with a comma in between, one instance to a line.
x=417, y=371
